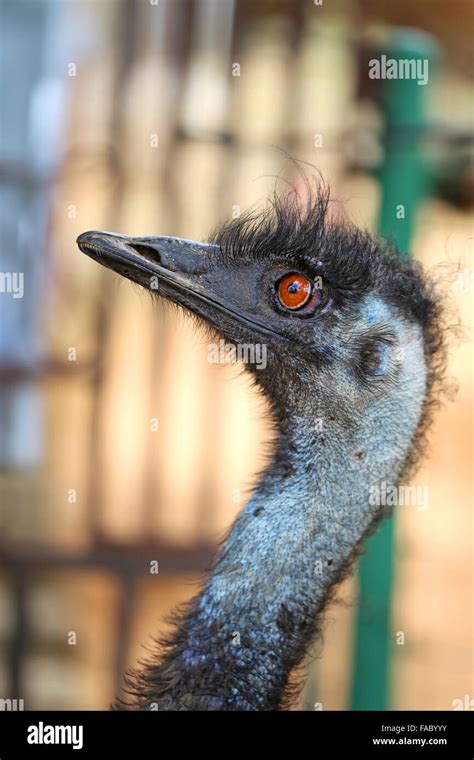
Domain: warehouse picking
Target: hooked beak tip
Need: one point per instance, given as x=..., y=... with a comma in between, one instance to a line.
x=88, y=241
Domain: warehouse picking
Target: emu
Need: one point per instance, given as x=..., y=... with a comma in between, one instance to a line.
x=354, y=356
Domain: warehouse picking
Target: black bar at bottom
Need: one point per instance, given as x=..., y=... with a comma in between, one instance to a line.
x=324, y=734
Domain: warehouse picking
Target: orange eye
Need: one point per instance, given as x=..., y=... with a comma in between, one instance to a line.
x=294, y=290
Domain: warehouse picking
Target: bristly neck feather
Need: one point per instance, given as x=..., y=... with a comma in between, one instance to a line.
x=239, y=640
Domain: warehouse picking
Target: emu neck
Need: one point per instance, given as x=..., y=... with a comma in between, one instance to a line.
x=256, y=617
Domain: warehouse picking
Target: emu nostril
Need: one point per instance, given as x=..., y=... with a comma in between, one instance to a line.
x=147, y=251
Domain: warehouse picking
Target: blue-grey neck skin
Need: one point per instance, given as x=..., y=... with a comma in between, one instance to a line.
x=254, y=621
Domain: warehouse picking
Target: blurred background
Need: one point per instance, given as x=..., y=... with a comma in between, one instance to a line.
x=121, y=445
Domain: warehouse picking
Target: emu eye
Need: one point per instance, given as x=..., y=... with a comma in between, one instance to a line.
x=295, y=291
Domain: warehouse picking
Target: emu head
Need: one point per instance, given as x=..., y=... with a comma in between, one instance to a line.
x=348, y=329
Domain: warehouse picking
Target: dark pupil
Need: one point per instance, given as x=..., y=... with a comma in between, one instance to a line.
x=294, y=287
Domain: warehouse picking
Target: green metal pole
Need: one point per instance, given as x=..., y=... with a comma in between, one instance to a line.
x=404, y=180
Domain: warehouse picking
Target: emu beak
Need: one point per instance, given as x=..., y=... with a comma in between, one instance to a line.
x=172, y=267
x=147, y=260
x=176, y=269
